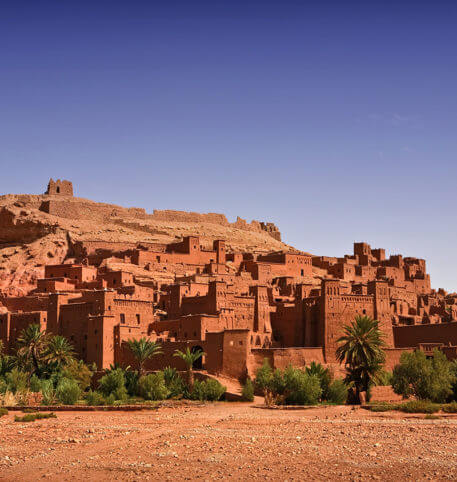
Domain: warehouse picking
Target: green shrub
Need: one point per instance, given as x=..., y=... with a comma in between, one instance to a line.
x=301, y=388
x=110, y=399
x=16, y=380
x=131, y=382
x=450, y=407
x=79, y=371
x=169, y=374
x=35, y=384
x=94, y=398
x=113, y=383
x=3, y=411
x=68, y=391
x=337, y=392
x=429, y=416
x=425, y=378
x=31, y=417
x=419, y=406
x=176, y=386
x=3, y=386
x=324, y=375
x=264, y=376
x=152, y=387
x=382, y=407
x=248, y=391
x=48, y=391
x=213, y=390
x=210, y=390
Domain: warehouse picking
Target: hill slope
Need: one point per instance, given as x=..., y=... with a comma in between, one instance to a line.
x=42, y=229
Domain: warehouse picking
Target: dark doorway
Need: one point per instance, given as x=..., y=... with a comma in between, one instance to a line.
x=198, y=364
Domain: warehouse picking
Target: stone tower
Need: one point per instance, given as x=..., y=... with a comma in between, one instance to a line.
x=59, y=188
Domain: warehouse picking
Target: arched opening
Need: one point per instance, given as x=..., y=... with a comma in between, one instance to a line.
x=58, y=190
x=198, y=364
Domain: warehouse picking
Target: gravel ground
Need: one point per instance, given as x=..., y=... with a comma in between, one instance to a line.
x=222, y=440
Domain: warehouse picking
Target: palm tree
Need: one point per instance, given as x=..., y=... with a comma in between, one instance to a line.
x=361, y=350
x=142, y=350
x=189, y=357
x=59, y=351
x=32, y=343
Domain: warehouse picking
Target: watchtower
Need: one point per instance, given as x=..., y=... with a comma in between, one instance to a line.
x=59, y=188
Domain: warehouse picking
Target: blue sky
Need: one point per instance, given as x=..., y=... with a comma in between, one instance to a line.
x=335, y=120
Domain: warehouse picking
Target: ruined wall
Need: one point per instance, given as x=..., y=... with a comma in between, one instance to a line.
x=82, y=209
x=59, y=188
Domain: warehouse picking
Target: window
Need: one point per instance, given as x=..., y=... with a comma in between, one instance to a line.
x=122, y=318
x=138, y=319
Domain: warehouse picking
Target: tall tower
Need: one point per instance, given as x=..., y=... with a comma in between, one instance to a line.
x=380, y=291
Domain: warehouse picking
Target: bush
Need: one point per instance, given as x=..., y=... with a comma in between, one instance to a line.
x=381, y=407
x=210, y=390
x=131, y=382
x=31, y=417
x=323, y=374
x=110, y=399
x=79, y=371
x=68, y=391
x=419, y=406
x=16, y=380
x=213, y=390
x=152, y=387
x=113, y=383
x=301, y=388
x=264, y=376
x=337, y=392
x=453, y=368
x=450, y=407
x=248, y=391
x=94, y=398
x=35, y=384
x=3, y=411
x=3, y=385
x=176, y=386
x=425, y=378
x=8, y=399
x=48, y=392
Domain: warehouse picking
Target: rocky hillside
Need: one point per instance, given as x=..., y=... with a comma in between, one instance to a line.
x=44, y=229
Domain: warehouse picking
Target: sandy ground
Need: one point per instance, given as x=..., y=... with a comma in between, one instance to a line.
x=223, y=440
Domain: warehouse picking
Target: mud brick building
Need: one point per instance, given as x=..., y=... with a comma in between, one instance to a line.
x=240, y=307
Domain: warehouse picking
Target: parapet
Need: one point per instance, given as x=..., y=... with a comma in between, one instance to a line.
x=60, y=188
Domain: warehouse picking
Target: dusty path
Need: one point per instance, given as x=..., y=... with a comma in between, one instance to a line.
x=229, y=440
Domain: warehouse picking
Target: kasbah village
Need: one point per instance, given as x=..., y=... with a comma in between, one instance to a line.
x=181, y=346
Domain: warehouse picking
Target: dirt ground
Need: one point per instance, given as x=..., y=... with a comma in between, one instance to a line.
x=223, y=440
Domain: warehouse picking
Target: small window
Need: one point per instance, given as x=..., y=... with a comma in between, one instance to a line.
x=138, y=319
x=122, y=318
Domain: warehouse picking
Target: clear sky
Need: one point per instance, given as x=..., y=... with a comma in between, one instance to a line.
x=335, y=120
